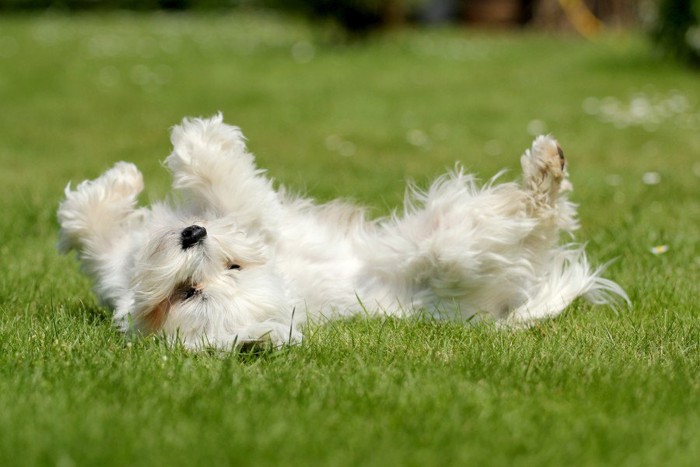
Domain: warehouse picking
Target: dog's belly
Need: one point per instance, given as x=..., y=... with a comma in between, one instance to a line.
x=324, y=282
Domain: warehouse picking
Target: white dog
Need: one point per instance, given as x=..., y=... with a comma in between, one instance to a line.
x=236, y=261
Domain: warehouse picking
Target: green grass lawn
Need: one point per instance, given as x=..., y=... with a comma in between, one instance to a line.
x=593, y=387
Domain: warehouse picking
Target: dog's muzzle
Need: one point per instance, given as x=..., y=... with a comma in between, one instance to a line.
x=192, y=235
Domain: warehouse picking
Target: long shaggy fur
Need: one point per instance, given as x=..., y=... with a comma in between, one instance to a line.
x=237, y=261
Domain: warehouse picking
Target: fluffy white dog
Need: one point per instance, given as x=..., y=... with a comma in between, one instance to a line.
x=236, y=261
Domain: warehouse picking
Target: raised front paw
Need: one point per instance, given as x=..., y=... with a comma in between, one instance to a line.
x=205, y=147
x=122, y=183
x=123, y=179
x=214, y=172
x=92, y=214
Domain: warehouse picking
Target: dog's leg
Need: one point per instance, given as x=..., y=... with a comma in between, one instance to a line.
x=491, y=250
x=544, y=169
x=563, y=272
x=456, y=250
x=546, y=181
x=94, y=220
x=213, y=169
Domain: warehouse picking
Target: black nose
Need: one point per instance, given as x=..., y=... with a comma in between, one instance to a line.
x=192, y=235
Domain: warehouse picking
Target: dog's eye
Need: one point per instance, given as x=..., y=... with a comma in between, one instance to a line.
x=190, y=292
x=234, y=266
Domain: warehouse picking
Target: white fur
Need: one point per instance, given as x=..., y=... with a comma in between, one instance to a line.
x=456, y=250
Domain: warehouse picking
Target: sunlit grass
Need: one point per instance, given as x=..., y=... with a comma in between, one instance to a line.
x=594, y=387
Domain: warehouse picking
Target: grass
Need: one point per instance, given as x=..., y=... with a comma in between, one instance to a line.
x=593, y=387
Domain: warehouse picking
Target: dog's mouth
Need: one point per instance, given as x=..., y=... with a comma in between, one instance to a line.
x=185, y=291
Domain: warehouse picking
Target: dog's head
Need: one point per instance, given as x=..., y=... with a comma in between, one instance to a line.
x=206, y=282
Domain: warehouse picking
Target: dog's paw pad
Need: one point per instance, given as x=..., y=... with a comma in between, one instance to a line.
x=544, y=164
x=548, y=157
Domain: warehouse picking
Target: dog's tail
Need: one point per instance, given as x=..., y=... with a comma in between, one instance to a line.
x=568, y=277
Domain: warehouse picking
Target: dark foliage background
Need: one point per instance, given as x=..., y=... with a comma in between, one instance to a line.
x=674, y=24
x=676, y=29
x=136, y=5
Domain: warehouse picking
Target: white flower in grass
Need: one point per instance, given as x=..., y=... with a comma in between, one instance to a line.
x=417, y=138
x=337, y=144
x=303, y=52
x=696, y=169
x=536, y=127
x=613, y=180
x=659, y=249
x=651, y=178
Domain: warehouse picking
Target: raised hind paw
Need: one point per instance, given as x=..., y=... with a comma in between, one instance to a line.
x=544, y=168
